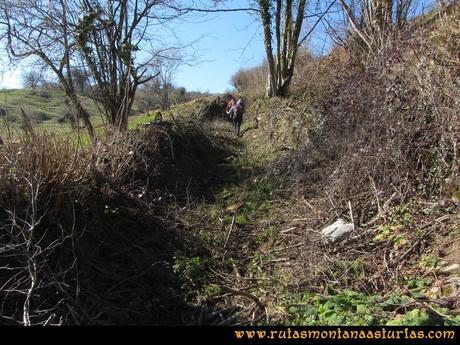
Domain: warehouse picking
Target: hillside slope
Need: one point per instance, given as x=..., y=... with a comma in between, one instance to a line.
x=42, y=106
x=374, y=143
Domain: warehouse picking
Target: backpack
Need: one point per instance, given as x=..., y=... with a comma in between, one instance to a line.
x=240, y=108
x=234, y=112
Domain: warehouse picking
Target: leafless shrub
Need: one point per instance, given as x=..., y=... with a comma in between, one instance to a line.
x=388, y=126
x=85, y=235
x=36, y=177
x=251, y=81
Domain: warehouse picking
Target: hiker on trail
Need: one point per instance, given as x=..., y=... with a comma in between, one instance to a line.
x=230, y=104
x=235, y=111
x=238, y=117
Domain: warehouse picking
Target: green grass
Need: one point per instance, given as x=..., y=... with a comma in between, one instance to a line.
x=46, y=110
x=43, y=106
x=183, y=110
x=143, y=119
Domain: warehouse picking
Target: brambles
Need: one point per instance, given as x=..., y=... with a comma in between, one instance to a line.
x=87, y=236
x=374, y=141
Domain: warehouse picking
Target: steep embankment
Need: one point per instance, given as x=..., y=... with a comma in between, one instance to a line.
x=182, y=222
x=399, y=265
x=268, y=262
x=373, y=143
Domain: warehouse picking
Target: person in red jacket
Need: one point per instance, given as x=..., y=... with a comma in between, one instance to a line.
x=230, y=104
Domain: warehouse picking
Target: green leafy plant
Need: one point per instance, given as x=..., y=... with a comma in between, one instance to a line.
x=396, y=299
x=241, y=220
x=387, y=231
x=399, y=241
x=404, y=213
x=343, y=308
x=415, y=317
x=266, y=234
x=211, y=290
x=192, y=270
x=427, y=262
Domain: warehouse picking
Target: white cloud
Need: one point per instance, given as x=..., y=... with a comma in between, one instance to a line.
x=11, y=79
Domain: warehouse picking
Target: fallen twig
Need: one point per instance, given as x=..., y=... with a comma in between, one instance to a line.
x=351, y=214
x=230, y=231
x=288, y=230
x=243, y=293
x=438, y=220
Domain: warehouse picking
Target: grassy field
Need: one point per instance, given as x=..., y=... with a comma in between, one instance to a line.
x=46, y=109
x=42, y=106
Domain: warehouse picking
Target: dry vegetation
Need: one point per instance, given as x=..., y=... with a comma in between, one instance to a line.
x=251, y=81
x=173, y=221
x=374, y=142
x=88, y=234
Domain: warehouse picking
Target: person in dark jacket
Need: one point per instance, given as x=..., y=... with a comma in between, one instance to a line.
x=238, y=118
x=235, y=111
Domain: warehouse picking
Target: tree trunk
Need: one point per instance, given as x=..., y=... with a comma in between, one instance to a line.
x=279, y=10
x=81, y=111
x=291, y=52
x=266, y=22
x=280, y=72
x=355, y=26
x=286, y=37
x=83, y=114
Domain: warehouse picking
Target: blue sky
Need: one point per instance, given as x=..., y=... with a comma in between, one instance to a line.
x=10, y=79
x=234, y=40
x=224, y=43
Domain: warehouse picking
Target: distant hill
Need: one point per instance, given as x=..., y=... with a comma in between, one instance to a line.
x=42, y=106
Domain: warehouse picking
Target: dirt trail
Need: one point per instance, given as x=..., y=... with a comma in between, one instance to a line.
x=240, y=227
x=266, y=264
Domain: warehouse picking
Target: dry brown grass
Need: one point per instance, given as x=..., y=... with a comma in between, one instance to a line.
x=384, y=139
x=88, y=236
x=251, y=81
x=389, y=126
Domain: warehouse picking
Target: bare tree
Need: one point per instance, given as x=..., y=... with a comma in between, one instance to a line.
x=282, y=23
x=167, y=67
x=108, y=39
x=32, y=79
x=180, y=95
x=372, y=23
x=108, y=36
x=81, y=80
x=148, y=96
x=42, y=29
x=286, y=19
